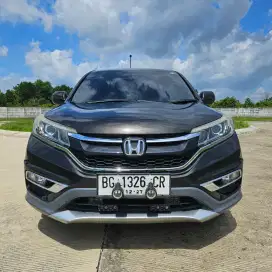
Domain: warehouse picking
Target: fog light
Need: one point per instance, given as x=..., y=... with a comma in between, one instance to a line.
x=230, y=177
x=45, y=183
x=36, y=178
x=222, y=182
x=225, y=180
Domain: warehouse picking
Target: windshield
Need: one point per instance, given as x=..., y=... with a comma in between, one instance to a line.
x=149, y=85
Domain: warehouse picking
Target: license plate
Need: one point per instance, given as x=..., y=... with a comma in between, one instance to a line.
x=133, y=185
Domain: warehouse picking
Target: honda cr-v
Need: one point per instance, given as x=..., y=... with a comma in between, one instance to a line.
x=133, y=145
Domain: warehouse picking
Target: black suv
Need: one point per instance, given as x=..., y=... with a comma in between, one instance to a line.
x=133, y=145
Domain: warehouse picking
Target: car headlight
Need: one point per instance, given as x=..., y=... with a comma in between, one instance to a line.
x=52, y=131
x=214, y=131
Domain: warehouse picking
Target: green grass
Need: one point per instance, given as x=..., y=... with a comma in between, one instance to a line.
x=15, y=119
x=18, y=124
x=240, y=124
x=240, y=118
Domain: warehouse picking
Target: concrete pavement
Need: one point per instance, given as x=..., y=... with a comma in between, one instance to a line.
x=240, y=240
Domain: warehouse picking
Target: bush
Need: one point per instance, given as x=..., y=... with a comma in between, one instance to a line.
x=228, y=102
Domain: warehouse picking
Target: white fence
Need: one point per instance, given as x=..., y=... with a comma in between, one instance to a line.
x=18, y=112
x=28, y=112
x=252, y=112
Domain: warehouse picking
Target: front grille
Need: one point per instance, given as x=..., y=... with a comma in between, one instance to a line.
x=135, y=163
x=160, y=153
x=85, y=204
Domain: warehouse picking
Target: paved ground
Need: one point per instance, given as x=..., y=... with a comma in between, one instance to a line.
x=240, y=240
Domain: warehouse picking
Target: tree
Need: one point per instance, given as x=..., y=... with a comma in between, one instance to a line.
x=248, y=103
x=264, y=103
x=25, y=91
x=32, y=102
x=228, y=102
x=31, y=94
x=43, y=101
x=44, y=91
x=11, y=98
x=63, y=88
x=3, y=101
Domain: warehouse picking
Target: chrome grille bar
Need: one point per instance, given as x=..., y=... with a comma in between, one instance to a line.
x=119, y=140
x=174, y=139
x=94, y=139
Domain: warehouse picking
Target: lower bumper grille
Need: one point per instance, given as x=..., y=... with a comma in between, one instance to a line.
x=133, y=205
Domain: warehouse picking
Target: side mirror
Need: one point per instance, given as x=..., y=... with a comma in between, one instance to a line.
x=207, y=97
x=59, y=97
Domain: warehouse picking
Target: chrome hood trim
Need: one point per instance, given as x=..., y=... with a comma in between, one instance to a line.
x=119, y=140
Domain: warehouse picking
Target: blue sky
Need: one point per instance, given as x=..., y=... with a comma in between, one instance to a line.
x=224, y=46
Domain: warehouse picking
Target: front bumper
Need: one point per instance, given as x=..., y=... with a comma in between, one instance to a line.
x=89, y=217
x=53, y=209
x=54, y=164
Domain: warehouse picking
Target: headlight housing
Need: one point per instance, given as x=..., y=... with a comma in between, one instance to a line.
x=52, y=131
x=214, y=131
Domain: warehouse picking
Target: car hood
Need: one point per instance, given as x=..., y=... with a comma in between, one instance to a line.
x=133, y=118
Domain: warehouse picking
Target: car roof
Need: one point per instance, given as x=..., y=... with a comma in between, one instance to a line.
x=132, y=70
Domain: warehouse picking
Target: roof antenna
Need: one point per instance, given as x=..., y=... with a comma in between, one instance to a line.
x=130, y=61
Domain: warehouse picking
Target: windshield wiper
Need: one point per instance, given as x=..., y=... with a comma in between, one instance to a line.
x=109, y=100
x=184, y=101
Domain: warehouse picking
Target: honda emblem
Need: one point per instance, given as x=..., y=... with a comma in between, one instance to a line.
x=134, y=146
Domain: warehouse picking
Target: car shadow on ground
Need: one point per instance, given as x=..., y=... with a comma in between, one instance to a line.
x=139, y=236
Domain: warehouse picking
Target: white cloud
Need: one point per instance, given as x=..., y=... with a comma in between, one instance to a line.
x=155, y=28
x=260, y=94
x=229, y=67
x=22, y=10
x=9, y=81
x=145, y=62
x=238, y=64
x=3, y=51
x=96, y=21
x=56, y=66
x=216, y=54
